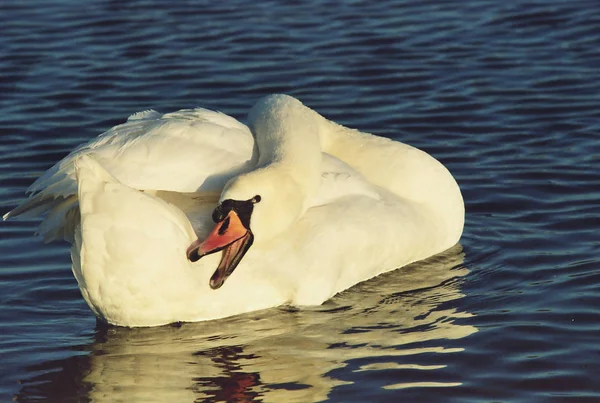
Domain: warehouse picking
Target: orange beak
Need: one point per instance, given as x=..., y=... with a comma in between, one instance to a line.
x=230, y=236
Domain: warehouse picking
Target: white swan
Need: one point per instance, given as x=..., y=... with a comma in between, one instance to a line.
x=305, y=211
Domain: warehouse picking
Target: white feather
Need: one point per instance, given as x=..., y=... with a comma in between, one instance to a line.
x=352, y=206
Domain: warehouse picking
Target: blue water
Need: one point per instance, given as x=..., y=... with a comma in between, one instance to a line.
x=505, y=93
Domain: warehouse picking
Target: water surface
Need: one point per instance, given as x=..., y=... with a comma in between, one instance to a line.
x=506, y=94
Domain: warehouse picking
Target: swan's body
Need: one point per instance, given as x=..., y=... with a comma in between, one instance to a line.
x=338, y=207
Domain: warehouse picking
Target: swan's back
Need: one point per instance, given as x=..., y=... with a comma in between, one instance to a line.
x=409, y=173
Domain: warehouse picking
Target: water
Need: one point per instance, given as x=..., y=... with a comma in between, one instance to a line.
x=506, y=94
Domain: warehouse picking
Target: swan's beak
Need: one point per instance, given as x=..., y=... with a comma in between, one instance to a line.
x=230, y=236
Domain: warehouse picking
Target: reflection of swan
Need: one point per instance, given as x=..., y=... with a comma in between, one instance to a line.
x=281, y=354
x=302, y=225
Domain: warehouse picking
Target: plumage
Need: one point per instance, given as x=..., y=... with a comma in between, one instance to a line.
x=338, y=207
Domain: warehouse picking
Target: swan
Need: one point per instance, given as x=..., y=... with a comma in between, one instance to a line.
x=300, y=208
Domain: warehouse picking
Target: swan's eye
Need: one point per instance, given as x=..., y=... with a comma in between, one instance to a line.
x=224, y=227
x=218, y=214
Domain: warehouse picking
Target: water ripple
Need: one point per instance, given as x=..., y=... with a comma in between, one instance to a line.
x=504, y=93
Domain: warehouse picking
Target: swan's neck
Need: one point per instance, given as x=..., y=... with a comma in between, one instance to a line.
x=286, y=134
x=288, y=172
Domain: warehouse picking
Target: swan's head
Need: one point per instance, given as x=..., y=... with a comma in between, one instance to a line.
x=253, y=208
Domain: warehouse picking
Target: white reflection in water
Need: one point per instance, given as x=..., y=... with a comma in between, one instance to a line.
x=281, y=354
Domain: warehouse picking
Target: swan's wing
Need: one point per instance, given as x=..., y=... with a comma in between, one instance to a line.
x=123, y=231
x=339, y=180
x=175, y=151
x=184, y=151
x=197, y=206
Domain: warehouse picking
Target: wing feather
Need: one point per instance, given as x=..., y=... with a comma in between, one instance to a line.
x=183, y=151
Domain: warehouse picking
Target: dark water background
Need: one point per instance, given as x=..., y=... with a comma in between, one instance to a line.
x=505, y=93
